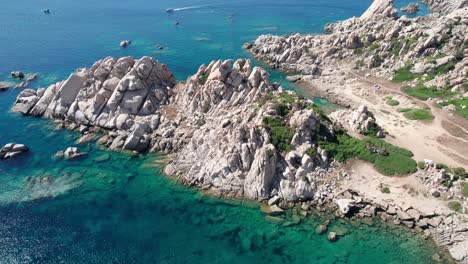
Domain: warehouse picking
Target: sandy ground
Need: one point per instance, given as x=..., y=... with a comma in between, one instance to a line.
x=404, y=191
x=444, y=139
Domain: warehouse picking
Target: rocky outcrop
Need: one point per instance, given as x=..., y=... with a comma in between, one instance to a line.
x=377, y=41
x=433, y=48
x=411, y=8
x=12, y=150
x=264, y=146
x=359, y=120
x=380, y=9
x=445, y=6
x=121, y=94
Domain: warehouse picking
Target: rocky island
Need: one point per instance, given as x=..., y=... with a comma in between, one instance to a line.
x=231, y=131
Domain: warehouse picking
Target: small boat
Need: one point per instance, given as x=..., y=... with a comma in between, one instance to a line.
x=170, y=10
x=47, y=11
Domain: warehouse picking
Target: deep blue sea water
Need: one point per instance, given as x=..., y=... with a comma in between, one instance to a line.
x=117, y=208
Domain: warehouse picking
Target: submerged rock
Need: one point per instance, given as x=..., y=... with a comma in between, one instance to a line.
x=4, y=86
x=72, y=153
x=321, y=229
x=12, y=150
x=125, y=43
x=17, y=75
x=332, y=237
x=411, y=8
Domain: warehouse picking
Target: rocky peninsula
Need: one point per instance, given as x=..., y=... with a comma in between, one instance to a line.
x=231, y=131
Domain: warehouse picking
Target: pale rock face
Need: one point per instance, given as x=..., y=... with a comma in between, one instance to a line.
x=111, y=95
x=27, y=99
x=260, y=177
x=345, y=205
x=359, y=120
x=212, y=124
x=380, y=8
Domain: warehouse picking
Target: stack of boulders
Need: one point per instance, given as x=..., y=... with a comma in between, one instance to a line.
x=359, y=120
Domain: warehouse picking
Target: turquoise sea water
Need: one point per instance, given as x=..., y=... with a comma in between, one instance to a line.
x=117, y=208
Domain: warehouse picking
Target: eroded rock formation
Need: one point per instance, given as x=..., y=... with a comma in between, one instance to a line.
x=228, y=128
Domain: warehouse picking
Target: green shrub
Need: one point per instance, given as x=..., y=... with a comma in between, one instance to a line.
x=443, y=166
x=465, y=189
x=385, y=190
x=460, y=173
x=422, y=165
x=206, y=108
x=411, y=41
x=282, y=108
x=386, y=158
x=395, y=164
x=455, y=206
x=312, y=152
x=423, y=93
x=287, y=98
x=358, y=51
x=374, y=46
x=443, y=69
x=392, y=102
x=404, y=74
x=265, y=98
x=281, y=134
x=403, y=110
x=359, y=64
x=461, y=106
x=203, y=79
x=396, y=47
x=418, y=114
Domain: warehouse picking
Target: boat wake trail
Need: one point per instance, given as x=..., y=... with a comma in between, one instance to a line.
x=194, y=7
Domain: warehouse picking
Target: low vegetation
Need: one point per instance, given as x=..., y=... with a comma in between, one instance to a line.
x=312, y=152
x=404, y=74
x=461, y=106
x=416, y=114
x=465, y=189
x=385, y=190
x=421, y=165
x=455, y=206
x=202, y=80
x=422, y=92
x=392, y=102
x=386, y=158
x=281, y=134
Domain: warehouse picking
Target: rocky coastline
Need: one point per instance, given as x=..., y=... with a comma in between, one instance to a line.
x=136, y=105
x=379, y=43
x=229, y=130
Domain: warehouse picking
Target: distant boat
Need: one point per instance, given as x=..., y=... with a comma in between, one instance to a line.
x=170, y=10
x=47, y=11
